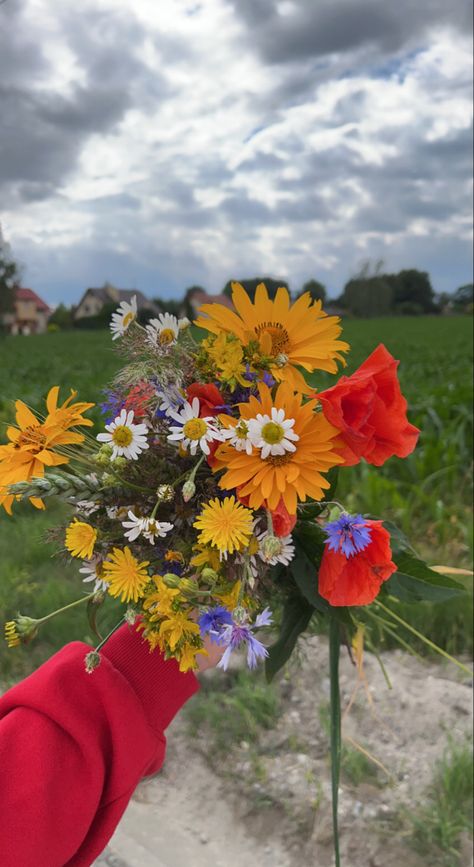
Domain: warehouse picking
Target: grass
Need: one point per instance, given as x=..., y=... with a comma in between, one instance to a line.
x=356, y=767
x=238, y=715
x=428, y=494
x=438, y=825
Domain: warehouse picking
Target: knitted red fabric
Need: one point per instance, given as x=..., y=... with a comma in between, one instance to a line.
x=73, y=747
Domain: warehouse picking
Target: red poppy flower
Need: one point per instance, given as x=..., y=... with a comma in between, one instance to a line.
x=356, y=580
x=370, y=411
x=283, y=522
x=139, y=398
x=210, y=398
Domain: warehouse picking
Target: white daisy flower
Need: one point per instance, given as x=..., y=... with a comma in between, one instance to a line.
x=123, y=317
x=93, y=570
x=164, y=331
x=274, y=434
x=284, y=556
x=193, y=431
x=149, y=527
x=238, y=436
x=170, y=397
x=128, y=440
x=117, y=512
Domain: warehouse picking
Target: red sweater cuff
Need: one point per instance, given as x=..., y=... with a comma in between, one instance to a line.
x=159, y=684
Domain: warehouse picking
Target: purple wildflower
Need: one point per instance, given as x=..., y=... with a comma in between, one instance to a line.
x=234, y=635
x=112, y=405
x=349, y=535
x=214, y=620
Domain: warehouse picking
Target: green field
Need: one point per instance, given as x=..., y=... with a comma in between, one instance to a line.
x=428, y=494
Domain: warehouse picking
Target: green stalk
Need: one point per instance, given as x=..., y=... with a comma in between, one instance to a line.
x=66, y=607
x=334, y=653
x=104, y=640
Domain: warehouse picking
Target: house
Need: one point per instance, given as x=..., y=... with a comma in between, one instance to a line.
x=30, y=315
x=94, y=300
x=197, y=296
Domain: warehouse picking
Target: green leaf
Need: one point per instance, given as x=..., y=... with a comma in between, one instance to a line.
x=309, y=546
x=414, y=581
x=93, y=606
x=296, y=615
x=398, y=541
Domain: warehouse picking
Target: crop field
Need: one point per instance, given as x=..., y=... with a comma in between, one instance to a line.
x=428, y=495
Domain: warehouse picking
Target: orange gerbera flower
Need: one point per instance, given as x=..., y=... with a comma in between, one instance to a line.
x=292, y=476
x=32, y=443
x=300, y=334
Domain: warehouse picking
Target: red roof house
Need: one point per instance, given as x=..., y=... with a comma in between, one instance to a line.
x=30, y=316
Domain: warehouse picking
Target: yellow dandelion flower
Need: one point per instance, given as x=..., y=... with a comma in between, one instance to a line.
x=231, y=599
x=80, y=539
x=158, y=602
x=174, y=556
x=225, y=524
x=177, y=626
x=187, y=656
x=125, y=576
x=298, y=335
x=227, y=353
x=11, y=635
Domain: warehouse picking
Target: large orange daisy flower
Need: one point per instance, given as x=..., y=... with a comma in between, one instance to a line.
x=299, y=334
x=32, y=443
x=295, y=474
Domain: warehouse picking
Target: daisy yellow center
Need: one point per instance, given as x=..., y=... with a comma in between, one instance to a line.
x=272, y=433
x=278, y=334
x=122, y=436
x=167, y=336
x=241, y=430
x=195, y=428
x=128, y=318
x=31, y=436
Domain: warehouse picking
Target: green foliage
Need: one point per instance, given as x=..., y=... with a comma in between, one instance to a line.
x=438, y=824
x=412, y=287
x=63, y=318
x=414, y=581
x=234, y=715
x=463, y=298
x=9, y=278
x=368, y=296
x=98, y=322
x=297, y=613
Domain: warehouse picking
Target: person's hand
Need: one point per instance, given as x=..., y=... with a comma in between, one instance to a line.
x=214, y=651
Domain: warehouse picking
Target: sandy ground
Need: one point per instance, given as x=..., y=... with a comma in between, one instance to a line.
x=194, y=814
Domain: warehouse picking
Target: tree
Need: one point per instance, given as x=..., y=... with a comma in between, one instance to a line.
x=368, y=293
x=9, y=277
x=463, y=298
x=62, y=317
x=251, y=285
x=316, y=289
x=413, y=292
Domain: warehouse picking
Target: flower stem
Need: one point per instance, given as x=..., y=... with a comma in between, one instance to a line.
x=334, y=652
x=66, y=607
x=104, y=640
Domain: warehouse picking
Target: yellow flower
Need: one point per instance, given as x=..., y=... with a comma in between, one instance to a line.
x=300, y=334
x=205, y=556
x=187, y=656
x=292, y=476
x=227, y=353
x=159, y=601
x=225, y=524
x=11, y=635
x=230, y=600
x=125, y=576
x=174, y=556
x=80, y=539
x=151, y=634
x=32, y=443
x=176, y=627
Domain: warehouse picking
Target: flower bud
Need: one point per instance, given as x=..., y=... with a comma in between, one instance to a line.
x=208, y=574
x=119, y=463
x=171, y=580
x=103, y=455
x=92, y=660
x=270, y=547
x=188, y=490
x=281, y=359
x=184, y=323
x=186, y=585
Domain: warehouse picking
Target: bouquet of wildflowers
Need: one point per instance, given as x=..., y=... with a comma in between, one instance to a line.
x=209, y=496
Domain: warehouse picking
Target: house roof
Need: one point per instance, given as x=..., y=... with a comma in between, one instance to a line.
x=107, y=293
x=28, y=295
x=201, y=297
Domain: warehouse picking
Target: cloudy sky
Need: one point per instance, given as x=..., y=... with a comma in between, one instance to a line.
x=162, y=144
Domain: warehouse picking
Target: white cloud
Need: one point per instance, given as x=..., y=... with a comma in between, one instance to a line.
x=161, y=145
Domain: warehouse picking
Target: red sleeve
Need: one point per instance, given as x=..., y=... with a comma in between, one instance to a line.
x=73, y=747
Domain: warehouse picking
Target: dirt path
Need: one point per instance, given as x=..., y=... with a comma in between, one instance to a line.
x=181, y=818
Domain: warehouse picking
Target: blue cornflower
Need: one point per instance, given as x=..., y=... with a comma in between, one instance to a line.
x=213, y=620
x=349, y=535
x=112, y=405
x=236, y=634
